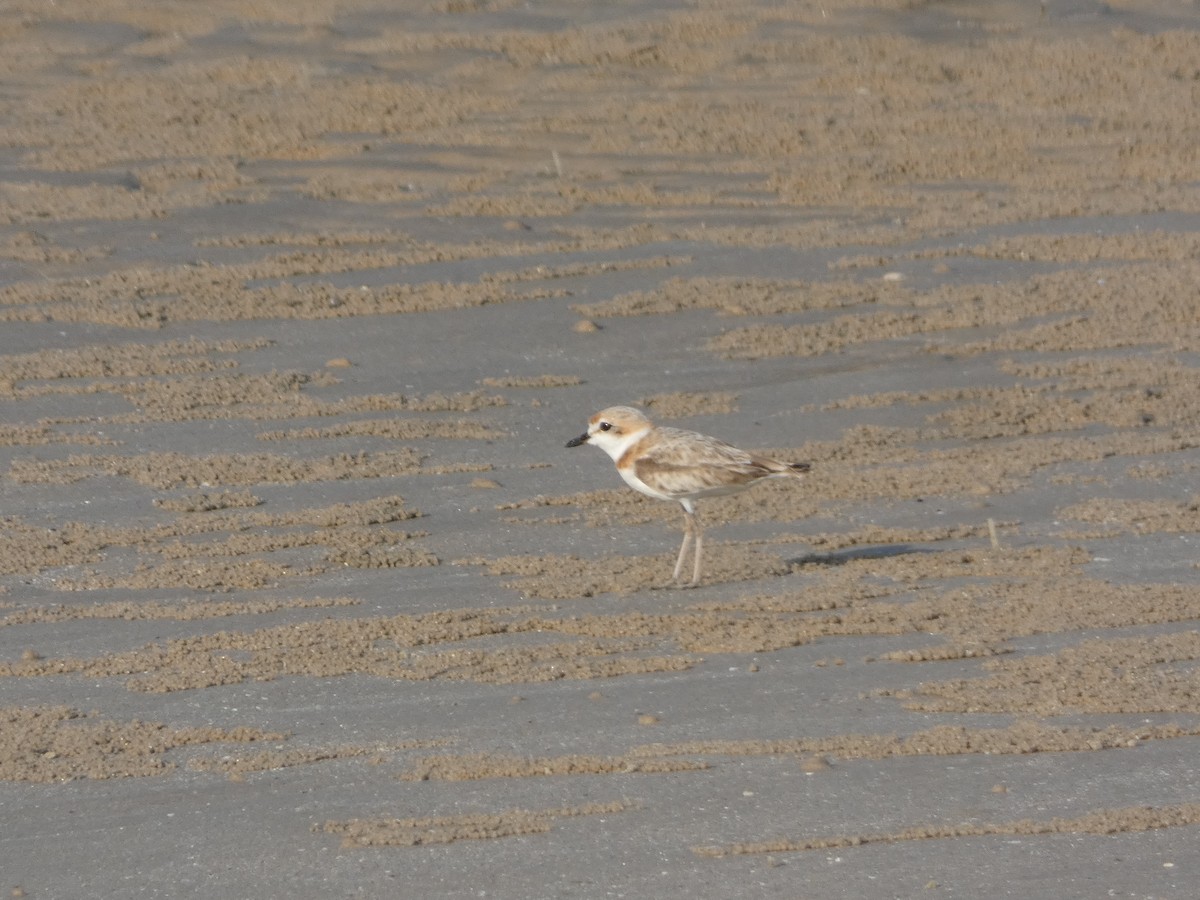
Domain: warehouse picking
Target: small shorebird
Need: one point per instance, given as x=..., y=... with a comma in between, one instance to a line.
x=673, y=464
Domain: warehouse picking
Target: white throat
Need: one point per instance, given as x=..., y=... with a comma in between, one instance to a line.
x=615, y=445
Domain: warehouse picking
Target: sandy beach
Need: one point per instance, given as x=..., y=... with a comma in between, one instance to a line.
x=302, y=595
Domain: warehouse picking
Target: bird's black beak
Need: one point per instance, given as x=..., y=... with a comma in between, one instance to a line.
x=575, y=442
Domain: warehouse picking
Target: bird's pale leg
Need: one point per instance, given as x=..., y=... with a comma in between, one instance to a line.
x=683, y=548
x=693, y=536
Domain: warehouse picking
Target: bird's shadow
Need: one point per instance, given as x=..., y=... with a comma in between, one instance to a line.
x=852, y=554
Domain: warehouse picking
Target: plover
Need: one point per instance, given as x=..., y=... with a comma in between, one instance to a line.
x=673, y=464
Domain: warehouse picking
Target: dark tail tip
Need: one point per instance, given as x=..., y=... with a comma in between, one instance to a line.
x=800, y=467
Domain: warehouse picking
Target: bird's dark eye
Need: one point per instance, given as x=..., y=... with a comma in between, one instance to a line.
x=605, y=426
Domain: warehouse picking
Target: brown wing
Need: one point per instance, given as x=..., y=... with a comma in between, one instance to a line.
x=685, y=462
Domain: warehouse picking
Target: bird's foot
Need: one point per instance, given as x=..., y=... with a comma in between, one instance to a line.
x=674, y=585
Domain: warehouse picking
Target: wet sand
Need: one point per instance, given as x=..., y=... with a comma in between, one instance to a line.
x=301, y=594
